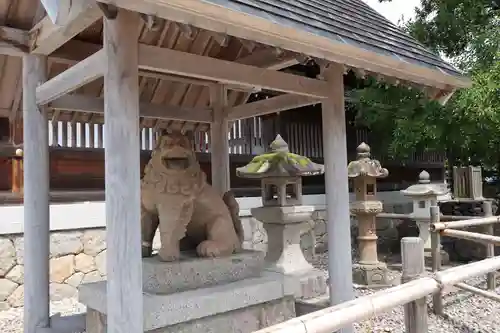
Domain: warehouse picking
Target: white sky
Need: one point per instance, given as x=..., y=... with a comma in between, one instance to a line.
x=395, y=9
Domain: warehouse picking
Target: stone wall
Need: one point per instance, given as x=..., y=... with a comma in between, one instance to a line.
x=75, y=257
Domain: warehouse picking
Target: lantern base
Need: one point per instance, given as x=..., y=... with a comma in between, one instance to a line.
x=445, y=257
x=371, y=275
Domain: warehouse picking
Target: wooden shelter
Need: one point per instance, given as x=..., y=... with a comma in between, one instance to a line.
x=186, y=63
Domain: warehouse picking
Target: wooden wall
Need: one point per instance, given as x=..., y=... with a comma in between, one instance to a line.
x=5, y=174
x=84, y=170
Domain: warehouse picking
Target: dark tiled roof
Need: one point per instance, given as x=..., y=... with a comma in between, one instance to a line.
x=346, y=21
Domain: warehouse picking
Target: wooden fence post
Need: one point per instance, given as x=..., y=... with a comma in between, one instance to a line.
x=437, y=298
x=490, y=248
x=412, y=255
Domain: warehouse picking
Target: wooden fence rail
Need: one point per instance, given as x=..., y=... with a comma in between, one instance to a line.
x=415, y=286
x=439, y=229
x=336, y=317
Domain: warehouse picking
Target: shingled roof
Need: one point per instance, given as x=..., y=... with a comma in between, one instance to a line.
x=352, y=22
x=347, y=22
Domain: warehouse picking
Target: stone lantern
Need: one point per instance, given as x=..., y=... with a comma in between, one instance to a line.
x=283, y=215
x=364, y=171
x=424, y=195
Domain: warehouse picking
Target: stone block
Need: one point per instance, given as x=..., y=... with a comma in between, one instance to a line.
x=6, y=288
x=192, y=272
x=245, y=320
x=94, y=241
x=371, y=275
x=61, y=268
x=445, y=258
x=307, y=284
x=161, y=311
x=16, y=274
x=84, y=263
x=65, y=243
x=7, y=255
x=16, y=299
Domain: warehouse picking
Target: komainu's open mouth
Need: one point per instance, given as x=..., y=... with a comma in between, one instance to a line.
x=176, y=163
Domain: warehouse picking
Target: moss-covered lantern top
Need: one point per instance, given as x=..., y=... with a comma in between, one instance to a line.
x=280, y=172
x=279, y=162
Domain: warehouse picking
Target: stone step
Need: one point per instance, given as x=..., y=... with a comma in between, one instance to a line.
x=161, y=311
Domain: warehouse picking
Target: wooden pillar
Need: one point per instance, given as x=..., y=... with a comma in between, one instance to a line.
x=36, y=198
x=219, y=145
x=412, y=258
x=337, y=191
x=490, y=248
x=122, y=174
x=437, y=297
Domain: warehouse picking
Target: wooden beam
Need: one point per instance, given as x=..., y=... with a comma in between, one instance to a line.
x=270, y=105
x=122, y=174
x=82, y=103
x=227, y=72
x=13, y=42
x=71, y=79
x=46, y=37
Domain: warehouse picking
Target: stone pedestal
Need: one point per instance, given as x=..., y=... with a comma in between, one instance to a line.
x=369, y=271
x=374, y=275
x=284, y=226
x=445, y=257
x=194, y=295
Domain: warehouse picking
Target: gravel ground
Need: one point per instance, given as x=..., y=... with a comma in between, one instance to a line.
x=464, y=312
x=11, y=321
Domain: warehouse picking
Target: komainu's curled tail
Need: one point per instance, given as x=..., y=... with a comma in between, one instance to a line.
x=234, y=210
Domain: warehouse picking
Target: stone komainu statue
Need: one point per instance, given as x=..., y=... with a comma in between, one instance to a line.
x=190, y=214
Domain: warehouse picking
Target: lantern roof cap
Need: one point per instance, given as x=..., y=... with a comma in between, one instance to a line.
x=364, y=165
x=279, y=162
x=424, y=187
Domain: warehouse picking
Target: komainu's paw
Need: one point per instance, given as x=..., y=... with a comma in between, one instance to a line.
x=169, y=254
x=208, y=248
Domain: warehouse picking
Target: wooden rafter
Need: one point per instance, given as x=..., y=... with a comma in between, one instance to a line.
x=46, y=36
x=95, y=105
